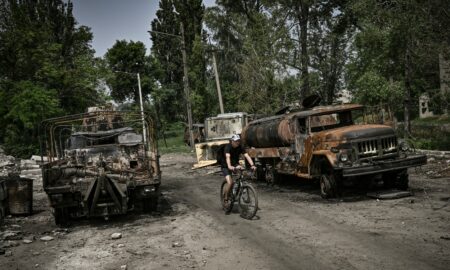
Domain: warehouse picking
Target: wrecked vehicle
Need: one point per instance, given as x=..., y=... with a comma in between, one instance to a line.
x=217, y=131
x=325, y=143
x=100, y=163
x=198, y=131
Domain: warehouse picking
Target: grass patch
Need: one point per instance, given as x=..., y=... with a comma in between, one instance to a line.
x=443, y=119
x=431, y=143
x=175, y=140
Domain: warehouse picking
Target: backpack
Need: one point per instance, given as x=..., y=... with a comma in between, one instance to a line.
x=220, y=154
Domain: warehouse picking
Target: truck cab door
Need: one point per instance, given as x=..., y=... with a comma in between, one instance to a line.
x=301, y=134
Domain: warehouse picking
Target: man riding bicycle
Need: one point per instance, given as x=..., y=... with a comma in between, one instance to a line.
x=229, y=161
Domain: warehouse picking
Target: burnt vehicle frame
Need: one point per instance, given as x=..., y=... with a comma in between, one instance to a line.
x=324, y=143
x=99, y=163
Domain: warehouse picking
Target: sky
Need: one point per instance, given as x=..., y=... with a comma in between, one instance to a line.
x=112, y=20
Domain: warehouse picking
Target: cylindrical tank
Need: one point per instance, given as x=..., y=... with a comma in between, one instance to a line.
x=264, y=133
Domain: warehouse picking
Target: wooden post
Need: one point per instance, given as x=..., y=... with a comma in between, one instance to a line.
x=216, y=74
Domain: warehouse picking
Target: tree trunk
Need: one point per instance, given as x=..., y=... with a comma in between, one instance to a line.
x=333, y=78
x=407, y=101
x=302, y=10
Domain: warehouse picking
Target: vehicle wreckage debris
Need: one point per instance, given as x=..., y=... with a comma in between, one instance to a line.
x=389, y=194
x=105, y=166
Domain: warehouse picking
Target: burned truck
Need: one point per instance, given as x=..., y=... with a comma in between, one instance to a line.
x=100, y=163
x=325, y=143
x=217, y=132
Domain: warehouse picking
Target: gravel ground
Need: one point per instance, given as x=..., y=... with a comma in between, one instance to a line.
x=294, y=229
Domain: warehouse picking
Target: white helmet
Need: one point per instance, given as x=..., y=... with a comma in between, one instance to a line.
x=235, y=137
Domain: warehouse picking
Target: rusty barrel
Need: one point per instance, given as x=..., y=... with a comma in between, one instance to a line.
x=20, y=195
x=268, y=132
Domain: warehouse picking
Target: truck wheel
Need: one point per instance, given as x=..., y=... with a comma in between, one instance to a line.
x=272, y=176
x=328, y=186
x=150, y=204
x=260, y=173
x=61, y=216
x=389, y=179
x=402, y=182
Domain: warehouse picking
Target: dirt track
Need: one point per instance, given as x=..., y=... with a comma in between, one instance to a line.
x=294, y=229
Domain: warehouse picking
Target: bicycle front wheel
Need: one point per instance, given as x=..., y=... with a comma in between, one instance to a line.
x=248, y=202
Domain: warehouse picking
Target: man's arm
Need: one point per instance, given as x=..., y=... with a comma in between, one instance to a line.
x=228, y=159
x=250, y=161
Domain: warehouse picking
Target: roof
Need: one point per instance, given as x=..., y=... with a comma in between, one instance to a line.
x=227, y=115
x=112, y=132
x=318, y=110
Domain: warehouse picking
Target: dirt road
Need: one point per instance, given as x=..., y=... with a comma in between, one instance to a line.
x=294, y=229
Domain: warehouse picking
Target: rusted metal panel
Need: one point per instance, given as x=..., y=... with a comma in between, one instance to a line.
x=207, y=151
x=272, y=152
x=274, y=133
x=223, y=126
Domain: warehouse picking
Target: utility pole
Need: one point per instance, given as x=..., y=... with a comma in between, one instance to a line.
x=144, y=130
x=186, y=86
x=216, y=75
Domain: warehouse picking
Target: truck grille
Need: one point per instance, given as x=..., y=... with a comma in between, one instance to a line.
x=377, y=147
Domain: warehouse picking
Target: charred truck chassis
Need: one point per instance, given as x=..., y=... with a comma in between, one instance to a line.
x=325, y=144
x=100, y=164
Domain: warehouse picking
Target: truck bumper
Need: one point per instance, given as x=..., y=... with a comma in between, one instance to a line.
x=376, y=167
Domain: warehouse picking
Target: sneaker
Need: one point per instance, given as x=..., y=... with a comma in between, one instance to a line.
x=226, y=204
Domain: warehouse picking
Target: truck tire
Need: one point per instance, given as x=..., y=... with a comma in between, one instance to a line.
x=328, y=180
x=61, y=216
x=272, y=176
x=260, y=173
x=150, y=204
x=398, y=180
x=389, y=179
x=402, y=182
x=328, y=186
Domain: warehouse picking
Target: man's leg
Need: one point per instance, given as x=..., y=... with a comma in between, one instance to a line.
x=228, y=186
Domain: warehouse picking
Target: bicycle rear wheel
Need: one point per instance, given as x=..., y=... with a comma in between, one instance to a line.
x=248, y=201
x=225, y=207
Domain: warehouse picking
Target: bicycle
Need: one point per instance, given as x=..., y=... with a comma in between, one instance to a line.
x=244, y=193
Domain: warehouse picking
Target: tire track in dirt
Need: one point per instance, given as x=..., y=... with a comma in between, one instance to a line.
x=298, y=237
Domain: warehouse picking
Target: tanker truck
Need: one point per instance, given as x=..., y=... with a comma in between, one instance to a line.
x=325, y=143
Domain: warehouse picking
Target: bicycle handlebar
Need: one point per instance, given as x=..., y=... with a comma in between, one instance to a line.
x=240, y=171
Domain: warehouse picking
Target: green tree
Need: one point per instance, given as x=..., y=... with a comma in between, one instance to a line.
x=166, y=48
x=400, y=41
x=44, y=57
x=126, y=59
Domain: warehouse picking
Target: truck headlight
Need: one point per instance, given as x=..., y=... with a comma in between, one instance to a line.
x=148, y=190
x=344, y=157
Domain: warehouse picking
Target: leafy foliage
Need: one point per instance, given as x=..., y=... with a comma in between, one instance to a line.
x=47, y=68
x=125, y=60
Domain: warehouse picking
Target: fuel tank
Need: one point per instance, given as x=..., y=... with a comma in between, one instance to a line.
x=268, y=132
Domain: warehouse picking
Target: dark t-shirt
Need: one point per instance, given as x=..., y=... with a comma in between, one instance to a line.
x=234, y=155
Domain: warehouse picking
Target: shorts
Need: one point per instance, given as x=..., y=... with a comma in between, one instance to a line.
x=225, y=171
